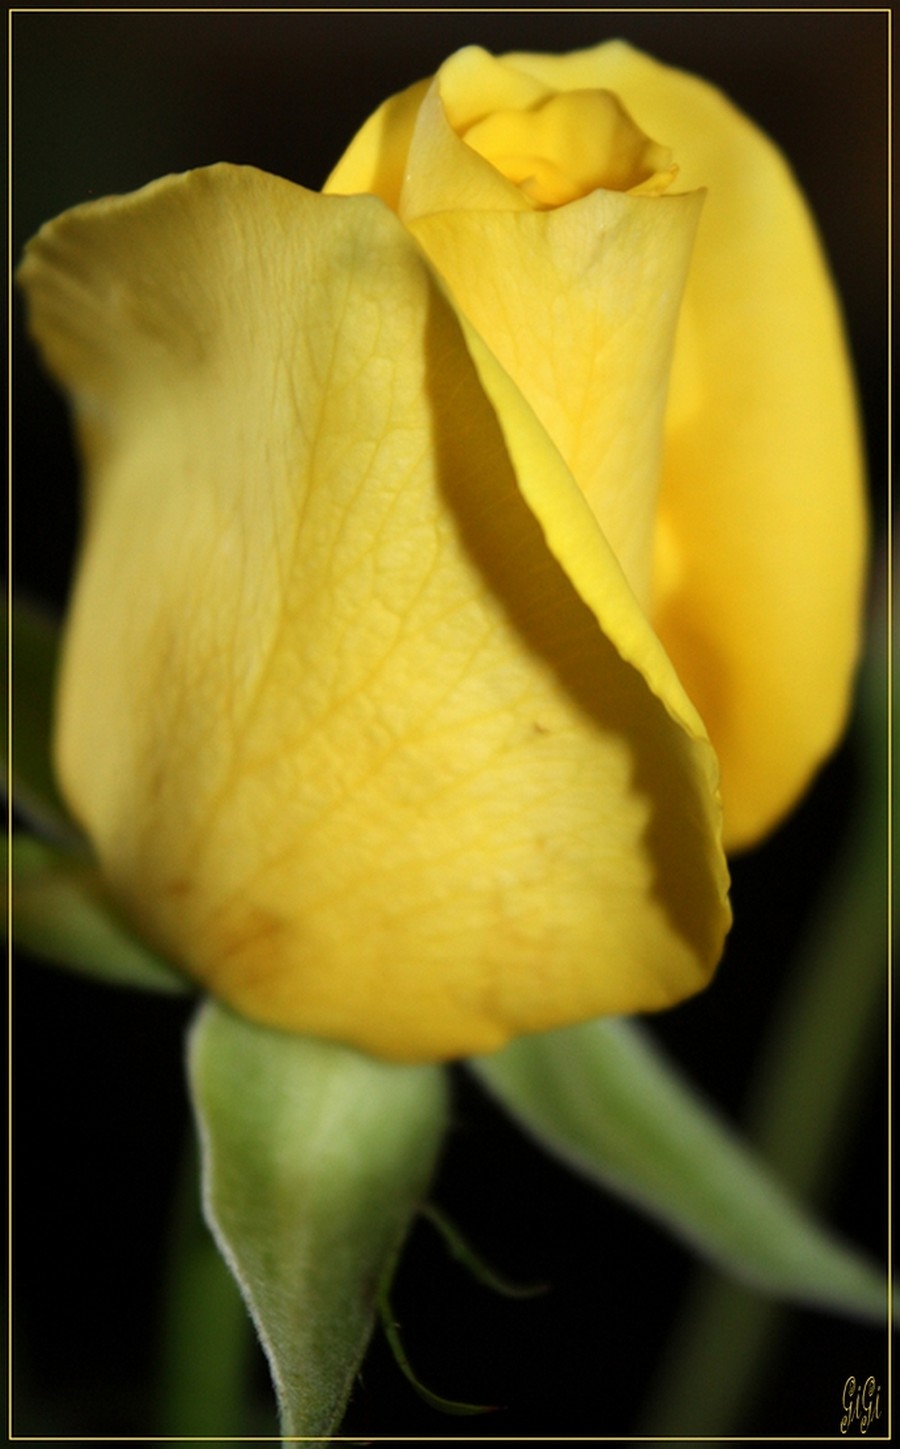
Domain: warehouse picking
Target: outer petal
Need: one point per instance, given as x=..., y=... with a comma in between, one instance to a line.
x=349, y=740
x=762, y=531
x=580, y=306
x=375, y=160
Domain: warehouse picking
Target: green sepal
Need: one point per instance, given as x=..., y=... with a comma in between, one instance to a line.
x=603, y=1098
x=31, y=635
x=61, y=912
x=315, y=1159
x=435, y=1401
x=482, y=1272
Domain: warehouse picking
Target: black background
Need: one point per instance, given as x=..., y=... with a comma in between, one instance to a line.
x=103, y=103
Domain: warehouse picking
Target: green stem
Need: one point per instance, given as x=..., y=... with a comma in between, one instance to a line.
x=807, y=1090
x=207, y=1335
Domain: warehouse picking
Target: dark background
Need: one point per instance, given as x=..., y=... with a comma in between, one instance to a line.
x=104, y=103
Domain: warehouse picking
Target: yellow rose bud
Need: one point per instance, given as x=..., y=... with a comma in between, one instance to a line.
x=434, y=526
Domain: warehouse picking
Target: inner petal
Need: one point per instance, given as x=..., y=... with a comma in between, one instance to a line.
x=568, y=145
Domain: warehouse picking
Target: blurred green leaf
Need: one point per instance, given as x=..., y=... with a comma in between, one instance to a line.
x=315, y=1158
x=31, y=648
x=812, y=1073
x=603, y=1098
x=61, y=912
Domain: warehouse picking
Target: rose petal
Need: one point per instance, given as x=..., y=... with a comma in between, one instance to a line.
x=762, y=538
x=375, y=160
x=580, y=305
x=410, y=154
x=347, y=737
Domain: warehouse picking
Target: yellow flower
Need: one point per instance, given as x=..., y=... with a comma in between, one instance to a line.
x=435, y=525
